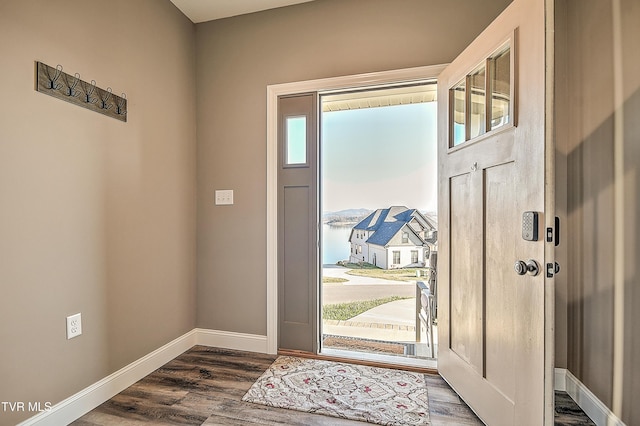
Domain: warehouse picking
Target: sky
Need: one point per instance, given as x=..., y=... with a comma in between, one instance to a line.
x=380, y=157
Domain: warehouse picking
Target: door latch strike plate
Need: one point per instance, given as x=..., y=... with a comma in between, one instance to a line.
x=552, y=269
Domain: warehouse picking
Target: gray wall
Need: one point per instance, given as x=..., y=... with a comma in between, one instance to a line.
x=96, y=216
x=587, y=133
x=236, y=59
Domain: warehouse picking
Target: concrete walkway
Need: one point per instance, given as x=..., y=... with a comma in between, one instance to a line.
x=389, y=322
x=401, y=313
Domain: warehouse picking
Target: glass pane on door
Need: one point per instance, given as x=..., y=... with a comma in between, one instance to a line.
x=458, y=114
x=500, y=88
x=478, y=103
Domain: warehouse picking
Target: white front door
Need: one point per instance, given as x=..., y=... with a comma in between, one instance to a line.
x=491, y=122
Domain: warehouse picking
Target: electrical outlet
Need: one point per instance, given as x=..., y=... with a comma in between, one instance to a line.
x=224, y=197
x=74, y=326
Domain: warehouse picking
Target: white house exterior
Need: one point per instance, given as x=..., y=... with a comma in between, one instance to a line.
x=396, y=237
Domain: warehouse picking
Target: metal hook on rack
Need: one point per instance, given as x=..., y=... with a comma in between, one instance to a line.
x=88, y=89
x=121, y=103
x=71, y=87
x=53, y=81
x=104, y=99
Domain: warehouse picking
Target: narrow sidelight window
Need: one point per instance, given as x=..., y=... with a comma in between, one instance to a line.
x=296, y=141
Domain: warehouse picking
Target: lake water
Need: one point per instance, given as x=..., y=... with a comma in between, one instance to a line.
x=335, y=243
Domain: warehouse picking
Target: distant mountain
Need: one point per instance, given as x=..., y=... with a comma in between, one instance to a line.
x=348, y=216
x=349, y=212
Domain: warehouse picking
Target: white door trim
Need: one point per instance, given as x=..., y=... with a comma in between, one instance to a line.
x=320, y=85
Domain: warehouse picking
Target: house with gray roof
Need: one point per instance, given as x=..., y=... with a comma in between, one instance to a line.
x=397, y=237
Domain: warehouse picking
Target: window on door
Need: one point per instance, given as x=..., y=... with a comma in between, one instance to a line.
x=481, y=102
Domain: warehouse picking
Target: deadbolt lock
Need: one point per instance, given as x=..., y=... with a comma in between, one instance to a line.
x=530, y=266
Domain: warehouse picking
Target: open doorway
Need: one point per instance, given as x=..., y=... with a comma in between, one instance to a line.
x=378, y=180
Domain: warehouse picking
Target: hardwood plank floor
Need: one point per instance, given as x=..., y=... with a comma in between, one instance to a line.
x=568, y=413
x=204, y=386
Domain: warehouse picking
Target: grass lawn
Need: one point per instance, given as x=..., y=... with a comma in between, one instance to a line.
x=345, y=311
x=361, y=265
x=330, y=280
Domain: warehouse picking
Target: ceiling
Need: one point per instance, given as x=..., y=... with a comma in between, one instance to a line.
x=402, y=95
x=208, y=10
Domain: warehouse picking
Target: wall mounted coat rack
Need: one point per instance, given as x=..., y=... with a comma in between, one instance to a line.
x=70, y=88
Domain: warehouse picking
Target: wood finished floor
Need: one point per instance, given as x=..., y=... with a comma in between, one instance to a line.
x=204, y=386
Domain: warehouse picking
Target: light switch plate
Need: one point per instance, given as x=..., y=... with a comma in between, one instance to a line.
x=224, y=197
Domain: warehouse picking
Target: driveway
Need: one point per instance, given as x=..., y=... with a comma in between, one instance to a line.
x=361, y=288
x=336, y=271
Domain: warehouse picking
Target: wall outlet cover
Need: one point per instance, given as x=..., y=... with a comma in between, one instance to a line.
x=74, y=326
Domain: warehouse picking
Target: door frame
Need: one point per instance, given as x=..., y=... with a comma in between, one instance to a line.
x=358, y=81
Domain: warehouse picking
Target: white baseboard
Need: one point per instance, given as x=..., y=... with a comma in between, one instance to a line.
x=560, y=379
x=89, y=398
x=231, y=340
x=597, y=411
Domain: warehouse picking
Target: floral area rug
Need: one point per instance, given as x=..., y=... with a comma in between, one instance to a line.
x=375, y=395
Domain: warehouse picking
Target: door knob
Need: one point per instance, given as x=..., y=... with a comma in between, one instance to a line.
x=520, y=267
x=530, y=266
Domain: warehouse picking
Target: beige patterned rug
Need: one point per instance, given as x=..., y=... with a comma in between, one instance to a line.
x=375, y=395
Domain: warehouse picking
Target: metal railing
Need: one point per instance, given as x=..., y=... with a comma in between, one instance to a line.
x=427, y=308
